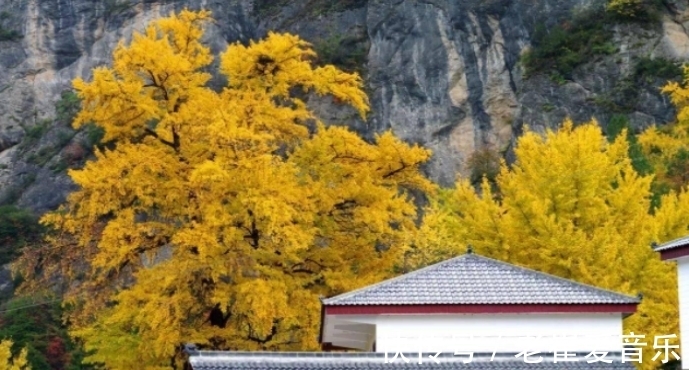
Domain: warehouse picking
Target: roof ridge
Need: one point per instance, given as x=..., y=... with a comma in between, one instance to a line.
x=503, y=264
x=397, y=278
x=570, y=281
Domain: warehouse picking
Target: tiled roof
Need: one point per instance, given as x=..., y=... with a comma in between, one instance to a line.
x=473, y=279
x=204, y=360
x=672, y=244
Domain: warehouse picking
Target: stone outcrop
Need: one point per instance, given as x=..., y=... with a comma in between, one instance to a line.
x=442, y=73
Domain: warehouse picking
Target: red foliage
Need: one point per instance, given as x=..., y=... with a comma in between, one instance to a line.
x=56, y=353
x=73, y=153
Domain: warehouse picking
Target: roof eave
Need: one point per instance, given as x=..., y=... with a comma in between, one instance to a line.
x=674, y=253
x=415, y=309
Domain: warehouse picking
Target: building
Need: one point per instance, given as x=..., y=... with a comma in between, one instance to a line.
x=678, y=250
x=469, y=304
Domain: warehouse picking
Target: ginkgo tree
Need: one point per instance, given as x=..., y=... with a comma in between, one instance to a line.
x=9, y=362
x=219, y=217
x=571, y=205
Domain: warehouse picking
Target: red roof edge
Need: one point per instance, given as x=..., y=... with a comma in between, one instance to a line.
x=479, y=308
x=674, y=253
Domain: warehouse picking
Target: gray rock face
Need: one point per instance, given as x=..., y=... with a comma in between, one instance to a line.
x=441, y=73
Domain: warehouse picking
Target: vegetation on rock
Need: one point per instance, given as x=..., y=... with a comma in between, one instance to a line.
x=7, y=34
x=18, y=227
x=634, y=10
x=561, y=48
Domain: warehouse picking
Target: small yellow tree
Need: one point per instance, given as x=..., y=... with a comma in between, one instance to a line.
x=219, y=217
x=668, y=147
x=573, y=206
x=7, y=362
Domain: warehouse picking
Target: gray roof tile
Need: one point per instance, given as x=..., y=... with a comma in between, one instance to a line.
x=473, y=279
x=672, y=244
x=210, y=360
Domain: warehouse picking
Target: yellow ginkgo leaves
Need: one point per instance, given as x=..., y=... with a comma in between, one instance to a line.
x=219, y=217
x=573, y=206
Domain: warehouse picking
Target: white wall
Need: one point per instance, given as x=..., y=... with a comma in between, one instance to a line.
x=502, y=333
x=683, y=282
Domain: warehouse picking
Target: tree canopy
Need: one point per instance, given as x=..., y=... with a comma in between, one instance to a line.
x=573, y=206
x=219, y=218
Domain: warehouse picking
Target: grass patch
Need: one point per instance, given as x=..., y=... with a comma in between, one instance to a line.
x=547, y=107
x=42, y=156
x=60, y=167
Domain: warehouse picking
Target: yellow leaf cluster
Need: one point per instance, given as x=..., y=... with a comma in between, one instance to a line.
x=8, y=362
x=626, y=8
x=281, y=62
x=666, y=148
x=219, y=217
x=571, y=205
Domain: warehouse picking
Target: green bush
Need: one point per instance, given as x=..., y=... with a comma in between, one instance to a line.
x=36, y=323
x=36, y=131
x=678, y=167
x=9, y=35
x=68, y=106
x=94, y=136
x=657, y=67
x=17, y=228
x=5, y=33
x=568, y=45
x=345, y=52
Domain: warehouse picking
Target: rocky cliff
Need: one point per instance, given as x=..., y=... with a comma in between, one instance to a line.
x=442, y=73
